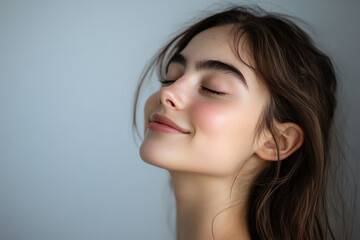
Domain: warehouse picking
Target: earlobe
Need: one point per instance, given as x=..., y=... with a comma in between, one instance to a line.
x=289, y=138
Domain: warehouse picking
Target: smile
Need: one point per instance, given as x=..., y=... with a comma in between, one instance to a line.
x=162, y=124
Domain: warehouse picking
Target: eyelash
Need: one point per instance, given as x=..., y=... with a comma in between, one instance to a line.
x=165, y=83
x=212, y=91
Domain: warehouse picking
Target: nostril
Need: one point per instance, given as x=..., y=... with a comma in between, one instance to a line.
x=170, y=102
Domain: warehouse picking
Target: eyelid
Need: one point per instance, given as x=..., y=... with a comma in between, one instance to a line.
x=166, y=82
x=211, y=91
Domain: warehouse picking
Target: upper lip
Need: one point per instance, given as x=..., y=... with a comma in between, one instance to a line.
x=166, y=121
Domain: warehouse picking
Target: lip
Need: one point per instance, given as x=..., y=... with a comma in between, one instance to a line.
x=161, y=123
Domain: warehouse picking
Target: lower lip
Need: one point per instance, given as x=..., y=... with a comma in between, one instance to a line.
x=158, y=127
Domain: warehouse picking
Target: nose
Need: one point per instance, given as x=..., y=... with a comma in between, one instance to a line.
x=173, y=96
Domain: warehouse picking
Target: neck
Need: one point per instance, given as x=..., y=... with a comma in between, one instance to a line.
x=208, y=209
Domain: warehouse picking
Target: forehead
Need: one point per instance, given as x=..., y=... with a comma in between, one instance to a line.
x=218, y=43
x=210, y=43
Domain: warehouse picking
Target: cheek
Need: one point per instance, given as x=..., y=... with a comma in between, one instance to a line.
x=236, y=118
x=224, y=135
x=213, y=119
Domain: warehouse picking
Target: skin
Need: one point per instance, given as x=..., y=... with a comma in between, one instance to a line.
x=212, y=167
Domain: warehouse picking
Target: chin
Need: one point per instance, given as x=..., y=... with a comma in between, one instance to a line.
x=150, y=155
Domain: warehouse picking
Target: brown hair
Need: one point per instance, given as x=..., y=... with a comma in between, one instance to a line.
x=288, y=199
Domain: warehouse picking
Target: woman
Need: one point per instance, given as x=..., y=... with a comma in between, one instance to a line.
x=243, y=123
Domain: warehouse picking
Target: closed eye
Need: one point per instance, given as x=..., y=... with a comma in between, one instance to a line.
x=208, y=90
x=165, y=82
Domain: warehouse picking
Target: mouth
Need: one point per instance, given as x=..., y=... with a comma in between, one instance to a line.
x=160, y=123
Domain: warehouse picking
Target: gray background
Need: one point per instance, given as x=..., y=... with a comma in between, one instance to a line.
x=69, y=168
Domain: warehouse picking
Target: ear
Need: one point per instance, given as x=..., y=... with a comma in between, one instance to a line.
x=289, y=138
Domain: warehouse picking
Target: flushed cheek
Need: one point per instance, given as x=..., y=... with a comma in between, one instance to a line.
x=210, y=118
x=227, y=132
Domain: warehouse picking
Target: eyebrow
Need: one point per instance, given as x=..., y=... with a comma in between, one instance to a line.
x=210, y=65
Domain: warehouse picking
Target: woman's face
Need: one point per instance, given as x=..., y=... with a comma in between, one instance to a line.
x=216, y=102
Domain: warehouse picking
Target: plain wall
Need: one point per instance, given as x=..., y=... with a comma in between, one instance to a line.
x=69, y=168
